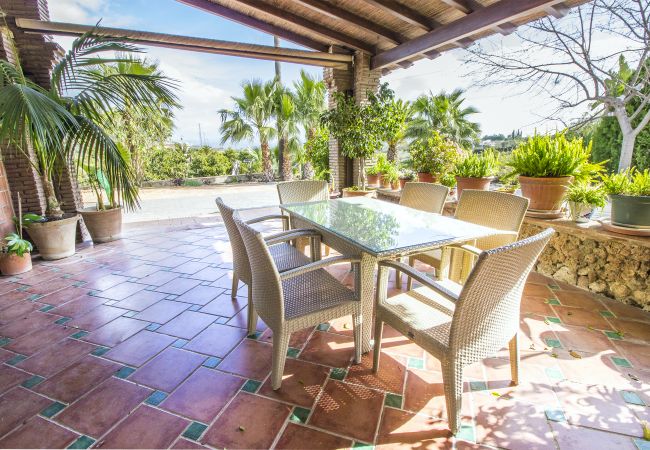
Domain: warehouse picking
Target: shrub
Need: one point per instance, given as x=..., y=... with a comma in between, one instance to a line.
x=166, y=164
x=435, y=154
x=629, y=182
x=207, y=162
x=477, y=165
x=586, y=193
x=192, y=183
x=318, y=153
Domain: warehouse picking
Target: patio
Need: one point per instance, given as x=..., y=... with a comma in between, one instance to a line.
x=137, y=344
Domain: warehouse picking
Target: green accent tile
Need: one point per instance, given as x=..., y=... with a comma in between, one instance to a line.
x=553, y=343
x=363, y=445
x=416, y=363
x=338, y=373
x=606, y=313
x=211, y=362
x=613, y=335
x=221, y=320
x=478, y=386
x=155, y=398
x=15, y=360
x=555, y=415
x=194, y=308
x=299, y=415
x=323, y=327
x=46, y=308
x=393, y=400
x=129, y=314
x=554, y=374
x=641, y=444
x=467, y=432
x=82, y=442
x=99, y=351
x=63, y=320
x=555, y=287
x=124, y=372
x=293, y=352
x=34, y=297
x=553, y=301
x=253, y=336
x=171, y=297
x=31, y=382
x=78, y=283
x=53, y=409
x=153, y=326
x=251, y=386
x=194, y=431
x=621, y=362
x=79, y=334
x=178, y=343
x=4, y=341
x=632, y=398
x=22, y=288
x=553, y=319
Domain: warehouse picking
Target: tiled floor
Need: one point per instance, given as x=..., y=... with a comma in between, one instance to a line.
x=137, y=343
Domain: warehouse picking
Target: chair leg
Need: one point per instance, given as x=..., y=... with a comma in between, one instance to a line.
x=452, y=379
x=409, y=280
x=327, y=250
x=235, y=285
x=280, y=347
x=379, y=329
x=252, y=314
x=356, y=325
x=514, y=359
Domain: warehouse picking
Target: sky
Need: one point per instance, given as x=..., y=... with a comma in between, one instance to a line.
x=207, y=82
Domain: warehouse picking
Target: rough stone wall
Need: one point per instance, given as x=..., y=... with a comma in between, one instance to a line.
x=616, y=267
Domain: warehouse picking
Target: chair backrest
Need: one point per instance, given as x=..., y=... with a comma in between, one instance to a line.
x=487, y=312
x=427, y=197
x=266, y=285
x=302, y=191
x=240, y=262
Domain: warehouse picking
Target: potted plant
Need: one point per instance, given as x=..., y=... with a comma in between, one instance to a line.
x=476, y=171
x=405, y=176
x=582, y=198
x=433, y=156
x=546, y=166
x=390, y=179
x=372, y=175
x=16, y=256
x=629, y=194
x=448, y=179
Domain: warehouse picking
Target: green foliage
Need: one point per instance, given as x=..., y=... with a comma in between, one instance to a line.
x=629, y=182
x=435, y=155
x=554, y=156
x=192, y=183
x=390, y=173
x=16, y=245
x=607, y=140
x=585, y=192
x=318, y=152
x=395, y=114
x=448, y=179
x=382, y=165
x=478, y=165
x=207, y=162
x=167, y=163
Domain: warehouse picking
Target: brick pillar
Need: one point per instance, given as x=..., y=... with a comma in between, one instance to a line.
x=357, y=80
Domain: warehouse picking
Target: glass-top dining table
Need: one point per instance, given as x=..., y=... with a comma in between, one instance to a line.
x=375, y=230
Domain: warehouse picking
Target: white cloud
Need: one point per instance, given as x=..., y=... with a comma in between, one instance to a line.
x=88, y=12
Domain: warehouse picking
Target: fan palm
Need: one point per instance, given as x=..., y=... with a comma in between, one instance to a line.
x=286, y=115
x=251, y=116
x=310, y=105
x=69, y=121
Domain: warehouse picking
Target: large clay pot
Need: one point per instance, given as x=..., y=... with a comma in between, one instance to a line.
x=426, y=177
x=12, y=264
x=103, y=226
x=54, y=239
x=545, y=194
x=482, y=184
x=385, y=182
x=631, y=211
x=373, y=180
x=403, y=181
x=347, y=193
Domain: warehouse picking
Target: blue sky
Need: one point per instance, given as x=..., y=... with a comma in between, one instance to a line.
x=208, y=81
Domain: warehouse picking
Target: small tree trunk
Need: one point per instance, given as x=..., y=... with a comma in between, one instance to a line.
x=391, y=155
x=627, y=150
x=285, y=160
x=307, y=171
x=266, y=161
x=53, y=206
x=362, y=172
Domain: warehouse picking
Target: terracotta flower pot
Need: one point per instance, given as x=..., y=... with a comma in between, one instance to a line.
x=103, y=226
x=395, y=185
x=348, y=193
x=482, y=184
x=545, y=194
x=426, y=177
x=12, y=264
x=54, y=239
x=385, y=182
x=403, y=181
x=373, y=180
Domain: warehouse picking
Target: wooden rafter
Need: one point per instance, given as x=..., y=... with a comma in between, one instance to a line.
x=404, y=13
x=469, y=6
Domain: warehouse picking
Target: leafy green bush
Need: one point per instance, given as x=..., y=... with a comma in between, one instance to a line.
x=192, y=183
x=630, y=182
x=166, y=164
x=435, y=154
x=586, y=193
x=318, y=153
x=207, y=162
x=382, y=165
x=478, y=165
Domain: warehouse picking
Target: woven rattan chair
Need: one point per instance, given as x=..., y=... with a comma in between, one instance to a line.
x=427, y=197
x=286, y=256
x=302, y=191
x=496, y=210
x=461, y=329
x=298, y=298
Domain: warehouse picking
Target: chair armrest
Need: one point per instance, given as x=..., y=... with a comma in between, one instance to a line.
x=284, y=236
x=467, y=248
x=285, y=219
x=422, y=278
x=318, y=265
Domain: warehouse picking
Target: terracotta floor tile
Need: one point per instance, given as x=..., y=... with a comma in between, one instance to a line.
x=106, y=282
x=178, y=286
x=203, y=395
x=23, y=325
x=186, y=445
x=92, y=275
x=632, y=330
x=12, y=297
x=39, y=433
x=538, y=278
x=77, y=379
x=637, y=354
x=623, y=311
x=78, y=306
x=299, y=438
x=163, y=311
x=389, y=377
x=171, y=261
x=121, y=291
x=394, y=342
x=301, y=383
x=401, y=429
x=49, y=286
x=591, y=369
x=158, y=278
x=187, y=325
x=247, y=412
x=145, y=428
x=224, y=306
x=216, y=340
x=584, y=300
x=139, y=348
x=200, y=295
x=5, y=355
x=240, y=320
x=536, y=305
x=211, y=274
x=538, y=290
x=251, y=359
x=348, y=410
x=116, y=331
x=582, y=339
x=141, y=300
x=581, y=317
x=55, y=358
x=63, y=296
x=10, y=377
x=329, y=349
x=97, y=317
x=39, y=339
x=578, y=438
x=140, y=271
x=17, y=310
x=424, y=393
x=168, y=369
x=533, y=333
x=103, y=407
x=18, y=405
x=191, y=267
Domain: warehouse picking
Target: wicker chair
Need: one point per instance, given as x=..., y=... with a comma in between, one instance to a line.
x=298, y=298
x=427, y=197
x=286, y=256
x=497, y=210
x=460, y=329
x=303, y=191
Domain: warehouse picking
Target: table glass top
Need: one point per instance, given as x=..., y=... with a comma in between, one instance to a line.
x=381, y=227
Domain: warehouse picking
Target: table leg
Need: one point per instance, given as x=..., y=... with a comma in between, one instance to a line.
x=366, y=294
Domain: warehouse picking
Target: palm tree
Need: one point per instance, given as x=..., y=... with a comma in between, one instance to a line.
x=252, y=114
x=446, y=114
x=287, y=123
x=310, y=105
x=70, y=120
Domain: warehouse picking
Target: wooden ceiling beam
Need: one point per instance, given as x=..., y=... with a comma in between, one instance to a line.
x=479, y=21
x=236, y=16
x=469, y=6
x=337, y=13
x=404, y=13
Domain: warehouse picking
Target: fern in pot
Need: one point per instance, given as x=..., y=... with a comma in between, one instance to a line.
x=476, y=171
x=15, y=251
x=629, y=194
x=583, y=198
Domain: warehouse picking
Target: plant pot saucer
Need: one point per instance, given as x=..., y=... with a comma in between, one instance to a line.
x=541, y=214
x=630, y=231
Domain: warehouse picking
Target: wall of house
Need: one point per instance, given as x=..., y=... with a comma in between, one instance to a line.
x=6, y=210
